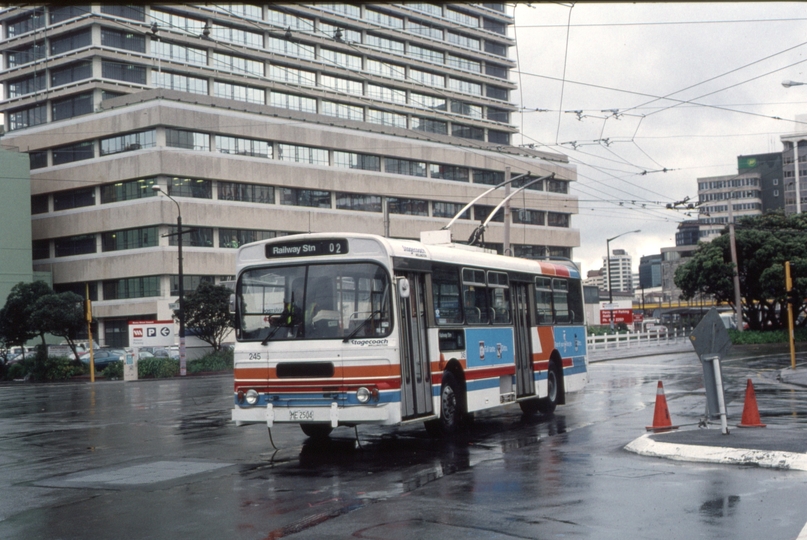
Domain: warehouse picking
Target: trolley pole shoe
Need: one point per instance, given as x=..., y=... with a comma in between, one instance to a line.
x=661, y=417
x=750, y=411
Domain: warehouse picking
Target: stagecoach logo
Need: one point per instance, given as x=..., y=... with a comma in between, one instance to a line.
x=416, y=251
x=565, y=343
x=370, y=342
x=498, y=349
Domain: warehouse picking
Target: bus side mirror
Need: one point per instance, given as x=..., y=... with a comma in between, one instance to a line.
x=232, y=303
x=403, y=288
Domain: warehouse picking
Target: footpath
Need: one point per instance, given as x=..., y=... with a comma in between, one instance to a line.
x=779, y=447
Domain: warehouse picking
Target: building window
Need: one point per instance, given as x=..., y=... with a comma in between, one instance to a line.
x=73, y=152
x=26, y=85
x=137, y=287
x=128, y=41
x=482, y=212
x=40, y=249
x=341, y=59
x=556, y=219
x=287, y=20
x=497, y=93
x=385, y=69
x=128, y=142
x=242, y=10
x=178, y=53
x=494, y=26
x=385, y=44
x=498, y=115
x=106, y=94
x=190, y=187
x=466, y=87
x=178, y=23
x=233, y=238
x=28, y=22
x=526, y=251
x=37, y=160
x=189, y=283
x=30, y=116
x=341, y=85
x=39, y=204
x=72, y=106
x=129, y=239
x=70, y=42
x=404, y=166
x=190, y=140
x=429, y=125
x=352, y=160
x=293, y=102
x=292, y=75
x=26, y=54
x=468, y=132
x=197, y=237
x=349, y=35
x=409, y=207
x=386, y=118
x=305, y=197
x=559, y=251
x=464, y=41
x=424, y=30
x=238, y=92
x=431, y=9
x=123, y=72
x=253, y=193
x=498, y=49
x=462, y=18
x=537, y=186
x=466, y=109
x=491, y=178
x=302, y=154
x=449, y=210
x=427, y=78
x=529, y=217
x=383, y=93
x=234, y=35
x=425, y=54
x=237, y=64
x=290, y=48
x=243, y=147
x=75, y=198
x=499, y=72
x=359, y=202
x=127, y=191
x=135, y=13
x=175, y=81
x=498, y=137
x=383, y=19
x=75, y=245
x=427, y=102
x=557, y=186
x=449, y=172
x=71, y=73
x=465, y=64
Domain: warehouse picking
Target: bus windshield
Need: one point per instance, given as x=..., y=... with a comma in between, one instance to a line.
x=350, y=300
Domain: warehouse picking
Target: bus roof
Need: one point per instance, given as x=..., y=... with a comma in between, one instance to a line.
x=255, y=253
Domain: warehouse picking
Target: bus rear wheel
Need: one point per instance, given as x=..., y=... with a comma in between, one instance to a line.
x=450, y=409
x=316, y=431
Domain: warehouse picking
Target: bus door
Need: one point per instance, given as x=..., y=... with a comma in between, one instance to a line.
x=416, y=388
x=525, y=378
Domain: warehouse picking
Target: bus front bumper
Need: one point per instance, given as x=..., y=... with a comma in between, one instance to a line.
x=334, y=415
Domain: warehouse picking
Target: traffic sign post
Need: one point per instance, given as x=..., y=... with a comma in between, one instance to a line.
x=146, y=334
x=711, y=342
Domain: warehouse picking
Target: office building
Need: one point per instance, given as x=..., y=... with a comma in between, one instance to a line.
x=261, y=121
x=650, y=271
x=618, y=275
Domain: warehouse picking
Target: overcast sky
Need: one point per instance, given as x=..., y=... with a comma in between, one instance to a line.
x=626, y=58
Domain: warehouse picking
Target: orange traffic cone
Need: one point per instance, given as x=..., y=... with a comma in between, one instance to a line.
x=661, y=417
x=750, y=411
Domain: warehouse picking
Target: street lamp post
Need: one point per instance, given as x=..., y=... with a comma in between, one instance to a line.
x=182, y=358
x=608, y=270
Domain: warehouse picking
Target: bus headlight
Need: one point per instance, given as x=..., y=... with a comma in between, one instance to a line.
x=252, y=396
x=363, y=395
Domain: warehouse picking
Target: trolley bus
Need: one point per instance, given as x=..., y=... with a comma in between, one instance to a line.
x=351, y=329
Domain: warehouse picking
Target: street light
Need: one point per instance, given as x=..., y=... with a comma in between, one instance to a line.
x=608, y=269
x=788, y=84
x=182, y=360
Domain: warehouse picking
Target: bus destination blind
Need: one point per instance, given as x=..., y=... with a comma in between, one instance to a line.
x=311, y=248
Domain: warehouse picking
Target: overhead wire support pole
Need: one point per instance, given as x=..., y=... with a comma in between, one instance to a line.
x=470, y=204
x=481, y=229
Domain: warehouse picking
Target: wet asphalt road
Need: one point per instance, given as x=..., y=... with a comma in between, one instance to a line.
x=160, y=459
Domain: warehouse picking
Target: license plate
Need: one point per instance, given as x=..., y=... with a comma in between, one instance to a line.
x=297, y=415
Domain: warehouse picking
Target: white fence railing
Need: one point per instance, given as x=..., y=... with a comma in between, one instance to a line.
x=637, y=339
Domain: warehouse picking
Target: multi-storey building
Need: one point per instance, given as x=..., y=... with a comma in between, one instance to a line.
x=650, y=271
x=795, y=178
x=260, y=121
x=617, y=275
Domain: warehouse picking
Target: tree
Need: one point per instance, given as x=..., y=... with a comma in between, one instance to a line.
x=207, y=313
x=61, y=314
x=16, y=324
x=764, y=243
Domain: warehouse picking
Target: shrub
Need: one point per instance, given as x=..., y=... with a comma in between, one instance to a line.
x=156, y=368
x=217, y=361
x=114, y=370
x=17, y=371
x=758, y=337
x=60, y=369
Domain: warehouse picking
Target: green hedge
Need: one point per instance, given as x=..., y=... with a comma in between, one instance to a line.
x=217, y=361
x=157, y=368
x=758, y=337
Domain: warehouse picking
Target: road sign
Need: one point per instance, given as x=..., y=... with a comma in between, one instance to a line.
x=710, y=337
x=151, y=333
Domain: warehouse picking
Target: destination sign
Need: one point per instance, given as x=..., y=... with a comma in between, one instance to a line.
x=311, y=248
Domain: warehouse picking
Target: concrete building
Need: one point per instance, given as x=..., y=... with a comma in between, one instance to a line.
x=260, y=121
x=15, y=238
x=650, y=271
x=673, y=257
x=795, y=178
x=618, y=275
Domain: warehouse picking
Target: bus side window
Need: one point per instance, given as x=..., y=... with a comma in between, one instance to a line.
x=543, y=300
x=576, y=304
x=475, y=296
x=446, y=295
x=499, y=298
x=560, y=299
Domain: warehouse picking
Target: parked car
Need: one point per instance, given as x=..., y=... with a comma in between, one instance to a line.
x=104, y=357
x=171, y=352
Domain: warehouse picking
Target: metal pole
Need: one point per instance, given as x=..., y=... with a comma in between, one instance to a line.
x=721, y=401
x=88, y=318
x=608, y=271
x=738, y=299
x=791, y=340
x=506, y=247
x=182, y=358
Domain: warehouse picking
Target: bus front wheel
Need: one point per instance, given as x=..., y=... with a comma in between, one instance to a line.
x=450, y=408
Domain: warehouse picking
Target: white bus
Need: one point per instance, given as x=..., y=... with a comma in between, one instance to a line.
x=349, y=329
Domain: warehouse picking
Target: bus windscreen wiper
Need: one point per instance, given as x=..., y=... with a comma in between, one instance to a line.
x=362, y=325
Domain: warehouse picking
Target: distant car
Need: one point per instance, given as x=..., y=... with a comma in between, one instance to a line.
x=144, y=354
x=167, y=353
x=104, y=357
